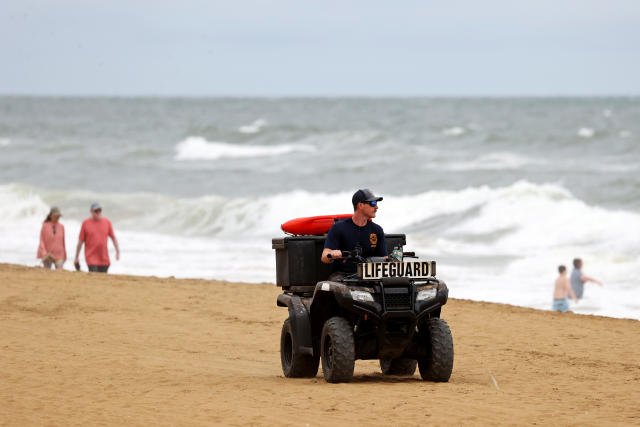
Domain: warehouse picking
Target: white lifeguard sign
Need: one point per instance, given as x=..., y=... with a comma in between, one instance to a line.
x=408, y=270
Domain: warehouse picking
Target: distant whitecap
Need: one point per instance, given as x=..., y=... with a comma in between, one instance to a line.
x=198, y=148
x=4, y=142
x=586, y=132
x=254, y=127
x=454, y=131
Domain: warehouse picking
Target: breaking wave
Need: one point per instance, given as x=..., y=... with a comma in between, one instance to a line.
x=198, y=148
x=527, y=216
x=494, y=244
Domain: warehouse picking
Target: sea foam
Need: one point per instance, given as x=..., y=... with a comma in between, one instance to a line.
x=254, y=127
x=586, y=132
x=198, y=148
x=454, y=131
x=497, y=244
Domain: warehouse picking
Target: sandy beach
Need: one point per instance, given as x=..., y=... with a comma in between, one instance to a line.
x=89, y=349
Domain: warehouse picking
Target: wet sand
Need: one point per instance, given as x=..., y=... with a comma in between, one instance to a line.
x=78, y=348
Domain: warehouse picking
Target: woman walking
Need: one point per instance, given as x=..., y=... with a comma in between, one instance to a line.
x=52, y=249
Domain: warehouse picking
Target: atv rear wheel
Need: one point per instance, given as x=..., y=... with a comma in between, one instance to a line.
x=399, y=366
x=338, y=350
x=295, y=365
x=438, y=363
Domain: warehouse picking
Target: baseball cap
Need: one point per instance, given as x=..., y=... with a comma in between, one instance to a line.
x=95, y=206
x=55, y=211
x=364, y=195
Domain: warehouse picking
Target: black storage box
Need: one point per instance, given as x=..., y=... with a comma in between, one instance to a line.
x=298, y=265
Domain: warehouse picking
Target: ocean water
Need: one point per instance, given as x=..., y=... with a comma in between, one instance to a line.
x=498, y=191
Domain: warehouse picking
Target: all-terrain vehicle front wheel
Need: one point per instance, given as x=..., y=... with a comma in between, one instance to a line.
x=399, y=366
x=438, y=363
x=338, y=350
x=295, y=365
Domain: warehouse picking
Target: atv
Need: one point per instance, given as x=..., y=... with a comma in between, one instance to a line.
x=388, y=310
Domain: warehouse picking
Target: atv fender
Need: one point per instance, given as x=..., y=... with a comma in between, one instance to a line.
x=329, y=299
x=300, y=322
x=428, y=308
x=329, y=293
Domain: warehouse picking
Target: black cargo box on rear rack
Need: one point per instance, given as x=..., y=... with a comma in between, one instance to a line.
x=298, y=265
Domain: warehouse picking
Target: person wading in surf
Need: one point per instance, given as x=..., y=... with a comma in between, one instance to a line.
x=356, y=233
x=562, y=290
x=578, y=279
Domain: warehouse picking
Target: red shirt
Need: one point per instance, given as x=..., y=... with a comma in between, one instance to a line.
x=94, y=234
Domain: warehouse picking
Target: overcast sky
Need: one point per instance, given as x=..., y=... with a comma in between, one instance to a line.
x=296, y=47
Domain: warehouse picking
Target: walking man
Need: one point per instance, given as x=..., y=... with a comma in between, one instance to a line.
x=93, y=234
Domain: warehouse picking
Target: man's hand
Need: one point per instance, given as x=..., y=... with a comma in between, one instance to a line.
x=335, y=253
x=591, y=279
x=117, y=255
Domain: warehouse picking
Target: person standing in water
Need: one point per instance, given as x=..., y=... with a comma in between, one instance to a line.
x=52, y=249
x=578, y=279
x=94, y=234
x=562, y=290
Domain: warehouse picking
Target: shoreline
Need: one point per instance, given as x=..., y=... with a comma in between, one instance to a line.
x=272, y=284
x=112, y=349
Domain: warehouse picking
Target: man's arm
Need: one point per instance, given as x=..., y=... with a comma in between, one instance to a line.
x=381, y=250
x=80, y=242
x=115, y=243
x=114, y=240
x=335, y=253
x=586, y=279
x=77, y=258
x=331, y=243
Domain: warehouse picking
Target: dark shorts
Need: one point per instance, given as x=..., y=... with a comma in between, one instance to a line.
x=98, y=268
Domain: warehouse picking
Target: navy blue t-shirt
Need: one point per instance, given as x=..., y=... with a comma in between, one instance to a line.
x=345, y=235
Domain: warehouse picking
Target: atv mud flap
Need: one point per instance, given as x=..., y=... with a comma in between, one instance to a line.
x=300, y=322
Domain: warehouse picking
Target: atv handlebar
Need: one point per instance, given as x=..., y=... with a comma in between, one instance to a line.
x=345, y=255
x=354, y=254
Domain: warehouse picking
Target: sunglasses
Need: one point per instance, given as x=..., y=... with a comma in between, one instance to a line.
x=372, y=203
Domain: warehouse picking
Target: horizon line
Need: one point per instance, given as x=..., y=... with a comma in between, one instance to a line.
x=316, y=96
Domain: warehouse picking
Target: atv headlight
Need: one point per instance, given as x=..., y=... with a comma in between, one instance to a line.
x=363, y=296
x=426, y=294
